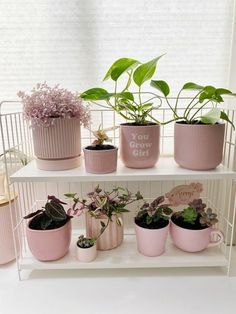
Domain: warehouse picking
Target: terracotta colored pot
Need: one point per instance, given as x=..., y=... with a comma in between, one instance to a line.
x=111, y=237
x=151, y=242
x=58, y=147
x=7, y=250
x=194, y=240
x=100, y=161
x=49, y=245
x=86, y=255
x=198, y=147
x=139, y=145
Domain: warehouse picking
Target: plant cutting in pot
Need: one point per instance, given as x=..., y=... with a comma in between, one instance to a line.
x=100, y=157
x=104, y=210
x=56, y=115
x=49, y=231
x=198, y=136
x=191, y=229
x=151, y=227
x=140, y=135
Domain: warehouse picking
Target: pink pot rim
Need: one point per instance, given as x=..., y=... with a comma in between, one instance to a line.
x=140, y=126
x=100, y=151
x=47, y=231
x=194, y=230
x=153, y=229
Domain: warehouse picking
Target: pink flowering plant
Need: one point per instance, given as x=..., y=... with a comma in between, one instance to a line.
x=46, y=103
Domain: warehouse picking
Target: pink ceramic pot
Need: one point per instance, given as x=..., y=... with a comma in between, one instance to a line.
x=58, y=147
x=7, y=250
x=198, y=147
x=139, y=145
x=111, y=237
x=100, y=161
x=86, y=255
x=151, y=242
x=49, y=245
x=194, y=240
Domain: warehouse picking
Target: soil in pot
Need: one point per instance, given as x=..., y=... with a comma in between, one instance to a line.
x=194, y=122
x=138, y=124
x=35, y=223
x=141, y=222
x=179, y=221
x=100, y=147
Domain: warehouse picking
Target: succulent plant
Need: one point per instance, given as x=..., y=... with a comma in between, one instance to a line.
x=190, y=214
x=101, y=135
x=208, y=218
x=84, y=242
x=198, y=205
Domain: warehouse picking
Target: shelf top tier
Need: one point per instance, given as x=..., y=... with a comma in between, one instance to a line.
x=166, y=169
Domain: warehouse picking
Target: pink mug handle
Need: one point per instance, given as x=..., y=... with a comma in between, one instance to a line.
x=220, y=238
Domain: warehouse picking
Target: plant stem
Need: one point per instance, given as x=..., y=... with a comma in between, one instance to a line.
x=172, y=120
x=176, y=103
x=191, y=119
x=188, y=108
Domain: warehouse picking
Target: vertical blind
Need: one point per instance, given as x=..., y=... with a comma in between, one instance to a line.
x=73, y=42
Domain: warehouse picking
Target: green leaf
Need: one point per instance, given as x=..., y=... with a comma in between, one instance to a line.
x=55, y=211
x=148, y=220
x=192, y=86
x=126, y=95
x=211, y=117
x=70, y=195
x=145, y=71
x=223, y=91
x=162, y=86
x=95, y=94
x=225, y=117
x=119, y=67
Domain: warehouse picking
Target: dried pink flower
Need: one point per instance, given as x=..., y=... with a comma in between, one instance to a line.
x=46, y=103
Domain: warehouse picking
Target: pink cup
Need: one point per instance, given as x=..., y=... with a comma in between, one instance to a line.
x=86, y=255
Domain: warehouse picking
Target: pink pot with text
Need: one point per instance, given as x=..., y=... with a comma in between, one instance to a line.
x=151, y=242
x=139, y=145
x=49, y=245
x=100, y=161
x=58, y=147
x=198, y=146
x=86, y=255
x=194, y=240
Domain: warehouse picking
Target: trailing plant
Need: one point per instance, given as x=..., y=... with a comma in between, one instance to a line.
x=130, y=105
x=85, y=243
x=154, y=211
x=52, y=213
x=101, y=136
x=46, y=103
x=204, y=96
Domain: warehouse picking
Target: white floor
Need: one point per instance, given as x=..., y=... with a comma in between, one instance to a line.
x=204, y=291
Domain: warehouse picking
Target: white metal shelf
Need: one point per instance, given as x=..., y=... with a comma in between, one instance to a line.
x=165, y=169
x=127, y=256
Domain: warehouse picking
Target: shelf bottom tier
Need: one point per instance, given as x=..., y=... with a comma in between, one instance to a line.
x=127, y=256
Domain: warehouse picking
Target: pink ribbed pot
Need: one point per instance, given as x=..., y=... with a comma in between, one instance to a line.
x=139, y=145
x=198, y=146
x=151, y=242
x=7, y=250
x=100, y=161
x=49, y=245
x=86, y=255
x=111, y=237
x=58, y=147
x=194, y=240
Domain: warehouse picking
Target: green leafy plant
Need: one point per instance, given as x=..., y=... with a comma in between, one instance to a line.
x=153, y=212
x=130, y=105
x=85, y=243
x=203, y=97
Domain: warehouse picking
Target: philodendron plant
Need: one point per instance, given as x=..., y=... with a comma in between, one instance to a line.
x=136, y=106
x=202, y=98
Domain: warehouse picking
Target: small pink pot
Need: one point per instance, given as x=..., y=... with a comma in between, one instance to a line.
x=58, y=147
x=139, y=145
x=151, y=242
x=111, y=237
x=197, y=146
x=86, y=255
x=194, y=240
x=100, y=161
x=49, y=245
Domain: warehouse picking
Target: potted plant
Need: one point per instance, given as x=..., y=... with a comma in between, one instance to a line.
x=99, y=157
x=49, y=231
x=151, y=227
x=191, y=229
x=104, y=210
x=140, y=134
x=86, y=249
x=198, y=136
x=56, y=115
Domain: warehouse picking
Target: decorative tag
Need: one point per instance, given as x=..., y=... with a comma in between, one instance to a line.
x=184, y=194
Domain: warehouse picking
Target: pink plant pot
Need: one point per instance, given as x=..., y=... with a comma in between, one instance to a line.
x=7, y=249
x=58, y=147
x=49, y=245
x=198, y=147
x=151, y=242
x=111, y=237
x=139, y=145
x=194, y=240
x=100, y=161
x=86, y=255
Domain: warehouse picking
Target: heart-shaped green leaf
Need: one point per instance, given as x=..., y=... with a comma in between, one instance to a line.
x=192, y=86
x=162, y=86
x=119, y=67
x=223, y=91
x=95, y=94
x=225, y=117
x=212, y=116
